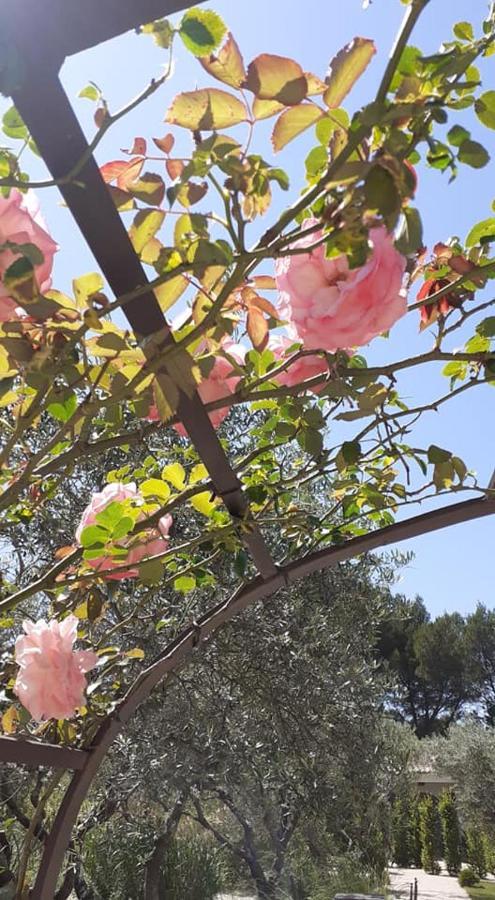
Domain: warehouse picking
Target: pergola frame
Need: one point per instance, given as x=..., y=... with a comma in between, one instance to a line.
x=45, y=32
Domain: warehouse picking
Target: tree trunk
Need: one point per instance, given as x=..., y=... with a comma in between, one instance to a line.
x=154, y=865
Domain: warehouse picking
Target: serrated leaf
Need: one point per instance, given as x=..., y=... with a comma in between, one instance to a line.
x=277, y=78
x=264, y=109
x=208, y=109
x=293, y=122
x=227, y=65
x=201, y=30
x=345, y=69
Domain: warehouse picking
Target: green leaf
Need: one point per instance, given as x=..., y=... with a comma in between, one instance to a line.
x=208, y=109
x=485, y=108
x=351, y=451
x=176, y=475
x=464, y=31
x=345, y=69
x=122, y=528
x=145, y=225
x=63, y=410
x=92, y=535
x=151, y=571
x=486, y=328
x=293, y=122
x=185, y=583
x=381, y=192
x=277, y=78
x=438, y=455
x=110, y=516
x=481, y=233
x=13, y=125
x=311, y=441
x=410, y=236
x=202, y=31
x=457, y=135
x=473, y=154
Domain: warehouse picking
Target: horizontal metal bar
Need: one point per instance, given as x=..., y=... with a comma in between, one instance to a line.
x=50, y=30
x=35, y=753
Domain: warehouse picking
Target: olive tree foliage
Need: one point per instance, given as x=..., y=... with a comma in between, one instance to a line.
x=467, y=754
x=85, y=403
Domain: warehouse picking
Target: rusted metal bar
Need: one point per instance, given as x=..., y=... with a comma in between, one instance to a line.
x=35, y=753
x=64, y=27
x=41, y=101
x=182, y=648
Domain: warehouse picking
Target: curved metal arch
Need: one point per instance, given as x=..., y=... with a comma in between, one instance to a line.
x=184, y=646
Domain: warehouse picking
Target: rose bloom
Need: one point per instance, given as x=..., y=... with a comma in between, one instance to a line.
x=147, y=543
x=331, y=307
x=301, y=369
x=221, y=381
x=50, y=682
x=21, y=223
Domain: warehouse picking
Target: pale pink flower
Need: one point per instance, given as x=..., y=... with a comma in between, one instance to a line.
x=301, y=369
x=50, y=682
x=21, y=223
x=331, y=307
x=145, y=544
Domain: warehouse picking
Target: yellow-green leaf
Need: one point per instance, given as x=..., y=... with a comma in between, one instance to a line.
x=135, y=653
x=345, y=69
x=170, y=291
x=264, y=109
x=198, y=473
x=201, y=30
x=227, y=64
x=273, y=77
x=10, y=719
x=203, y=503
x=145, y=225
x=293, y=122
x=176, y=475
x=206, y=110
x=85, y=286
x=153, y=487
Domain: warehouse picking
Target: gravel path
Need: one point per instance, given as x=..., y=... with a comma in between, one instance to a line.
x=430, y=887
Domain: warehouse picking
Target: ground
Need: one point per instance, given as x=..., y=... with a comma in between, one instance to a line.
x=430, y=887
x=485, y=890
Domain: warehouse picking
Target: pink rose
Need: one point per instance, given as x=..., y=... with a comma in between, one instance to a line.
x=301, y=369
x=331, y=307
x=21, y=223
x=50, y=682
x=147, y=543
x=220, y=382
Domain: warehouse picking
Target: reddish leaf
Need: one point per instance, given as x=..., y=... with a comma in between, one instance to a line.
x=139, y=147
x=150, y=189
x=264, y=306
x=62, y=552
x=175, y=168
x=345, y=69
x=264, y=282
x=293, y=122
x=227, y=65
x=257, y=328
x=165, y=144
x=191, y=193
x=277, y=78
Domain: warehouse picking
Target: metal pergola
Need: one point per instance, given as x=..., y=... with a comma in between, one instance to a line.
x=45, y=32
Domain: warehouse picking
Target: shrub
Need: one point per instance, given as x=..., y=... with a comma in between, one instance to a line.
x=192, y=869
x=415, y=831
x=468, y=877
x=476, y=846
x=451, y=832
x=427, y=826
x=401, y=832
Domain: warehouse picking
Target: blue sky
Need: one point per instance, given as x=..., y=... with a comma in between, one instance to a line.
x=452, y=569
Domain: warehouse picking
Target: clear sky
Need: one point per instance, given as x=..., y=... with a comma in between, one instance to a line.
x=452, y=569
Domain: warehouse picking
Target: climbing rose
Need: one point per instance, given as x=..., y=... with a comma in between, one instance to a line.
x=50, y=682
x=21, y=223
x=220, y=382
x=301, y=369
x=147, y=543
x=331, y=307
